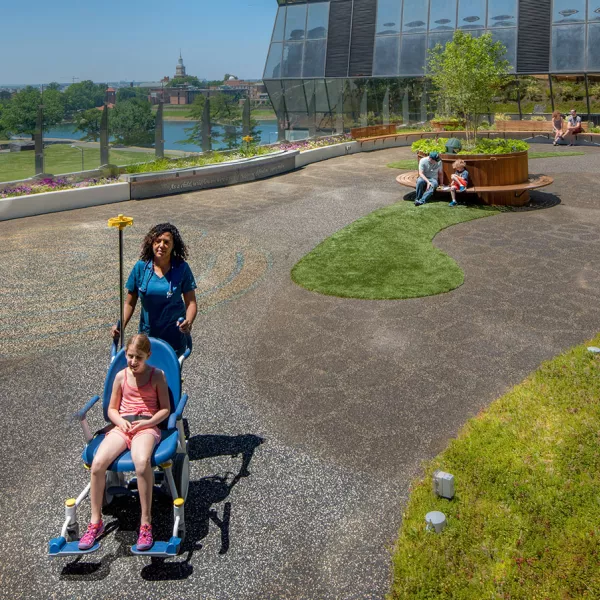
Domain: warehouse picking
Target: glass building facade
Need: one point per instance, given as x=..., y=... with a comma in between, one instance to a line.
x=345, y=63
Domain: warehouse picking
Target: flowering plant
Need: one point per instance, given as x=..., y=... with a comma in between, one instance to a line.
x=53, y=184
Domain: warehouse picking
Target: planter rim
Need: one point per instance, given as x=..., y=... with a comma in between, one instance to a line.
x=475, y=156
x=229, y=163
x=67, y=190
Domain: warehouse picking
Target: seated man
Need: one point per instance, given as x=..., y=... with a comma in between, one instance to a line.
x=573, y=126
x=430, y=172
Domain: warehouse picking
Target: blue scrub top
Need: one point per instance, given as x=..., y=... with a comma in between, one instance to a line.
x=162, y=300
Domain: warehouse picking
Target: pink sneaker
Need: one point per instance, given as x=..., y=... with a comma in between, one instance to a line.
x=94, y=530
x=145, y=539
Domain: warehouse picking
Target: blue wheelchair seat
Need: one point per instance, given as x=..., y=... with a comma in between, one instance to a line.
x=162, y=357
x=124, y=463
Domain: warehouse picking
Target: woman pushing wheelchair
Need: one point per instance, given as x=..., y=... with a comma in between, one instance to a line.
x=163, y=281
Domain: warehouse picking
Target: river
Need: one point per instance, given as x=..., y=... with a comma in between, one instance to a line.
x=174, y=133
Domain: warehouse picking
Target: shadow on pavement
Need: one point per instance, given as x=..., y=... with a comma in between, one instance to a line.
x=202, y=497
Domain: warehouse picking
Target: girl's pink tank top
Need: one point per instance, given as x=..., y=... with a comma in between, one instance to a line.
x=138, y=400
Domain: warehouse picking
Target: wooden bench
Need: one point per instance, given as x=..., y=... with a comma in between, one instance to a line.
x=532, y=126
x=409, y=179
x=372, y=130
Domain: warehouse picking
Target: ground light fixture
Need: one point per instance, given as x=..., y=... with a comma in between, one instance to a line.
x=79, y=148
x=436, y=521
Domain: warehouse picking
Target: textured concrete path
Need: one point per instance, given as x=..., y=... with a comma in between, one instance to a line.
x=347, y=396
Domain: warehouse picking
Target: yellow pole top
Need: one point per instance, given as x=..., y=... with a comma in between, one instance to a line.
x=120, y=221
x=178, y=502
x=70, y=502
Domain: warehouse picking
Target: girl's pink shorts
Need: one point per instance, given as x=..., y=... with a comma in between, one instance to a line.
x=129, y=436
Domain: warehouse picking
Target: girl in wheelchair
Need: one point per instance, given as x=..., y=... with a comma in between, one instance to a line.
x=139, y=402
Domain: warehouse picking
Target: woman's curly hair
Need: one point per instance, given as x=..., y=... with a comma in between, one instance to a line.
x=179, y=249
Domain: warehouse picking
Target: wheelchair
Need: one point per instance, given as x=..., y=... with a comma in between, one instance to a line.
x=169, y=458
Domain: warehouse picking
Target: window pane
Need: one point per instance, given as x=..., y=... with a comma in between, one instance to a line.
x=502, y=13
x=295, y=100
x=388, y=17
x=414, y=17
x=314, y=58
x=568, y=11
x=412, y=54
x=322, y=103
x=593, y=43
x=386, y=55
x=279, y=23
x=593, y=10
x=292, y=59
x=318, y=20
x=442, y=15
x=273, y=68
x=568, y=48
x=295, y=22
x=439, y=38
x=471, y=14
x=509, y=38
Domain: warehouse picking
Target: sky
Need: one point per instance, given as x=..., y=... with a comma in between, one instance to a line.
x=114, y=40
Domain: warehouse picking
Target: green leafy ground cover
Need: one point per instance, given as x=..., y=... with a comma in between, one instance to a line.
x=387, y=254
x=61, y=158
x=524, y=522
x=412, y=163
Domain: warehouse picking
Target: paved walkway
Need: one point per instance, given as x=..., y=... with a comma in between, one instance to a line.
x=348, y=396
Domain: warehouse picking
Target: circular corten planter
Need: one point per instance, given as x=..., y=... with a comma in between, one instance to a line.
x=492, y=170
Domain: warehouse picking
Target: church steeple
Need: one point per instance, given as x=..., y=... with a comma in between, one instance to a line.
x=180, y=69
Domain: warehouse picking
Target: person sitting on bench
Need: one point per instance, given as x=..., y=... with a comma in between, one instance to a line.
x=573, y=126
x=557, y=126
x=430, y=173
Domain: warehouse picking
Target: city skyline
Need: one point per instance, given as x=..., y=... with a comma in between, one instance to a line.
x=140, y=45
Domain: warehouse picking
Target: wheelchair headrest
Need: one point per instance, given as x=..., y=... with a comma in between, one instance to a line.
x=163, y=357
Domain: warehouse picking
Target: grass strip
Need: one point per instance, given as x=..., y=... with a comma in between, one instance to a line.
x=61, y=158
x=388, y=254
x=411, y=164
x=524, y=522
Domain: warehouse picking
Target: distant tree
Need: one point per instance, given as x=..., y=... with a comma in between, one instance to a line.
x=5, y=96
x=88, y=122
x=20, y=114
x=132, y=123
x=187, y=80
x=229, y=76
x=213, y=83
x=126, y=93
x=53, y=86
x=83, y=96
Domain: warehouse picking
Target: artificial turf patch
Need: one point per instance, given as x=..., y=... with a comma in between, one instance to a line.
x=524, y=521
x=388, y=254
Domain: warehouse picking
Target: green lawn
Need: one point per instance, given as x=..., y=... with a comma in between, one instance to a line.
x=524, y=522
x=388, y=254
x=62, y=159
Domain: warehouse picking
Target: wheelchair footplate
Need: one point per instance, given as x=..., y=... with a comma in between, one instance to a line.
x=60, y=547
x=164, y=549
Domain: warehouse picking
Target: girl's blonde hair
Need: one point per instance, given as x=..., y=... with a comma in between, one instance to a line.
x=140, y=342
x=459, y=164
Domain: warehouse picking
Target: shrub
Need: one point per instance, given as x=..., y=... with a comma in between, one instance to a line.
x=538, y=119
x=501, y=117
x=482, y=146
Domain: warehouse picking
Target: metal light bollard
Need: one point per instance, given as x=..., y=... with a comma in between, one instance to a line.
x=121, y=222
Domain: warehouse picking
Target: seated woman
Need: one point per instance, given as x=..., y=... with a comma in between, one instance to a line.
x=557, y=126
x=164, y=282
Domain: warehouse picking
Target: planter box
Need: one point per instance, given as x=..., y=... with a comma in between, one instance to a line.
x=372, y=131
x=441, y=125
x=48, y=202
x=316, y=154
x=178, y=181
x=492, y=170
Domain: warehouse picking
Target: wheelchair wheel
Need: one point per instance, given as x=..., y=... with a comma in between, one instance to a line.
x=181, y=474
x=112, y=480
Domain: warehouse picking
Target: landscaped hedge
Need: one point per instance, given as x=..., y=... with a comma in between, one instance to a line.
x=481, y=146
